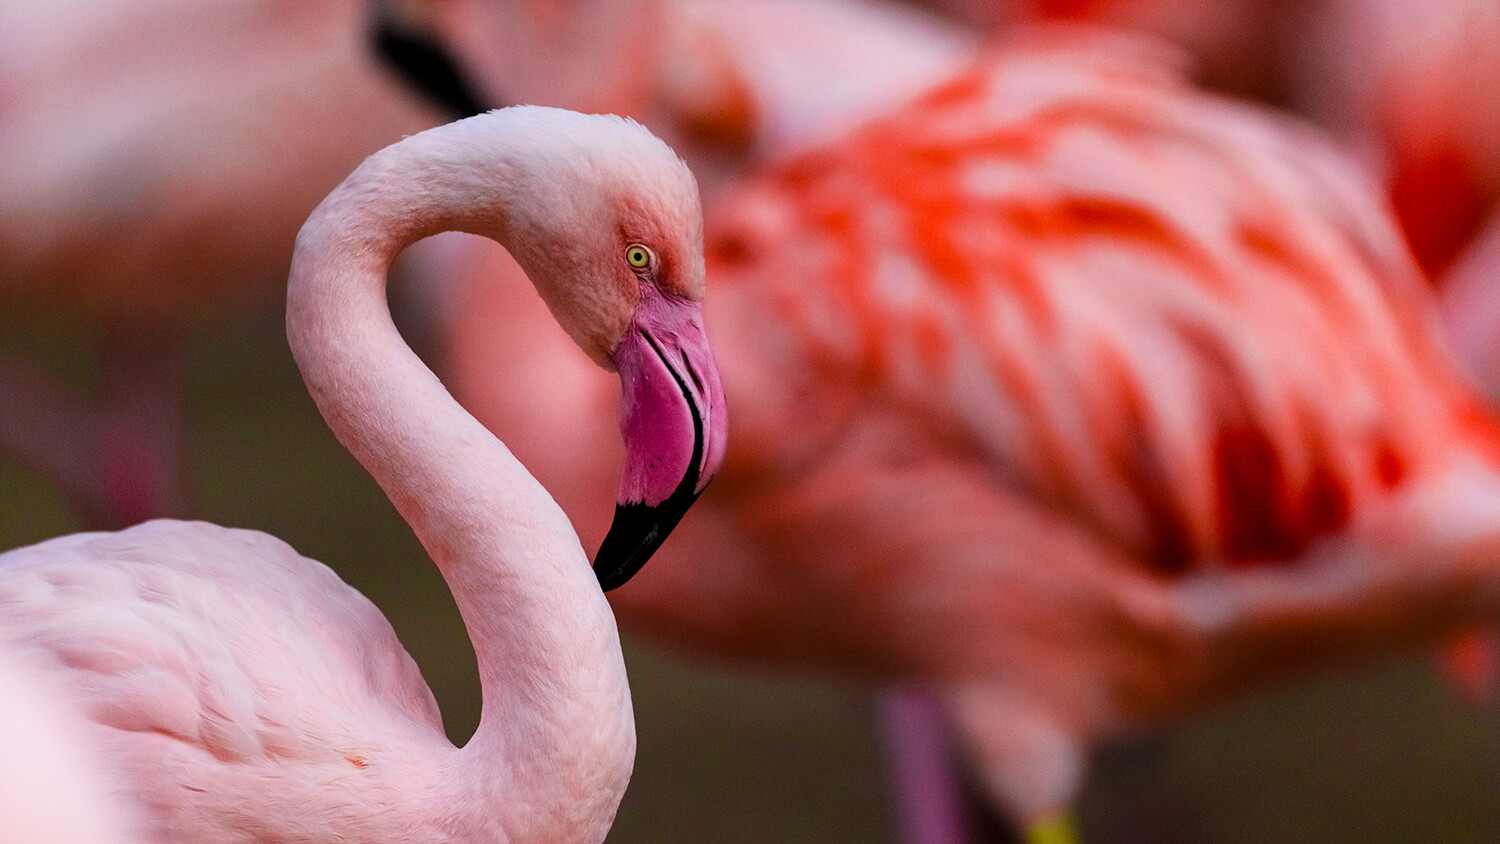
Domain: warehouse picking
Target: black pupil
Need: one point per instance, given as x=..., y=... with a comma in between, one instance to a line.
x=637, y=256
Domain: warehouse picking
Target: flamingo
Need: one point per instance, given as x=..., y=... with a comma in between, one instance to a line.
x=866, y=56
x=50, y=788
x=1470, y=304
x=158, y=158
x=1405, y=80
x=1417, y=83
x=1074, y=396
x=240, y=692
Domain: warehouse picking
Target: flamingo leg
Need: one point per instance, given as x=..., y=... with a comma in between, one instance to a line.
x=929, y=800
x=934, y=801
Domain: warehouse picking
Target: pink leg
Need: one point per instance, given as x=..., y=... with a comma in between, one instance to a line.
x=932, y=803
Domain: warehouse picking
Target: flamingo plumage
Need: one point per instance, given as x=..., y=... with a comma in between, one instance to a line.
x=1082, y=398
x=1470, y=305
x=1408, y=82
x=51, y=788
x=1417, y=83
x=237, y=691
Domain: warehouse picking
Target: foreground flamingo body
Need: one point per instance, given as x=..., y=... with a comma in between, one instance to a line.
x=51, y=791
x=240, y=692
x=1079, y=397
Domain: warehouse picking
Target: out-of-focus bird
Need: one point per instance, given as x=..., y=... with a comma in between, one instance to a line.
x=1413, y=84
x=51, y=791
x=240, y=692
x=803, y=70
x=1077, y=396
x=726, y=83
x=1238, y=46
x=156, y=159
x=1418, y=84
x=1470, y=306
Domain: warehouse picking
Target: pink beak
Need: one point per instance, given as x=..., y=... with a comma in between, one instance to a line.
x=673, y=424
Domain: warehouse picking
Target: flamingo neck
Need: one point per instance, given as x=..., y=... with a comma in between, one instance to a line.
x=556, y=735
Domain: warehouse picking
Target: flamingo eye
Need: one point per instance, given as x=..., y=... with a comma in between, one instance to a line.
x=640, y=257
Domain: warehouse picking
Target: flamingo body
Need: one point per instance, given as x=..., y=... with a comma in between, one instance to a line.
x=159, y=158
x=122, y=618
x=51, y=791
x=1002, y=243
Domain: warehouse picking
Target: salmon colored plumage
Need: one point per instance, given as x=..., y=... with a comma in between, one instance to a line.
x=1413, y=83
x=1125, y=342
x=1081, y=397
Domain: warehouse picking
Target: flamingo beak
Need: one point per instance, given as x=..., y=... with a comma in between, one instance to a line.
x=673, y=424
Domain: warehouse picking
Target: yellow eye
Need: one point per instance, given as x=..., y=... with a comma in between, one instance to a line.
x=639, y=257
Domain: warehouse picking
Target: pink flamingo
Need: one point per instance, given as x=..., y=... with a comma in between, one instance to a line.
x=1470, y=306
x=1415, y=82
x=241, y=692
x=156, y=160
x=1080, y=398
x=867, y=57
x=1407, y=80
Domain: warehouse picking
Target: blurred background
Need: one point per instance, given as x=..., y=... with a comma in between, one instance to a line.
x=1382, y=753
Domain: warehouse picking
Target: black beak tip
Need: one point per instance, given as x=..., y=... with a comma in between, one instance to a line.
x=637, y=531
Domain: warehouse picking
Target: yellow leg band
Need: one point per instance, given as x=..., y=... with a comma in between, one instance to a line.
x=1055, y=829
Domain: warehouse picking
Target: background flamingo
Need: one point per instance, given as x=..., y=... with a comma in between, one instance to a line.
x=326, y=729
x=1471, y=306
x=158, y=158
x=1413, y=84
x=974, y=289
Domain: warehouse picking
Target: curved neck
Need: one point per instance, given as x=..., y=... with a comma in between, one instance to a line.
x=556, y=719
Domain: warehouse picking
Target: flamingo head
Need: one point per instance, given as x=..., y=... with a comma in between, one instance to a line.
x=613, y=239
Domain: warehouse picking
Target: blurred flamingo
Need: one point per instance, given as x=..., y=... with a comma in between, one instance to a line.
x=1413, y=83
x=1081, y=398
x=867, y=57
x=240, y=692
x=1471, y=306
x=1418, y=84
x=158, y=157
